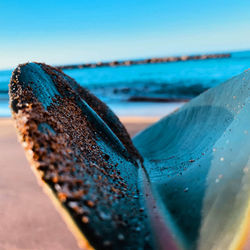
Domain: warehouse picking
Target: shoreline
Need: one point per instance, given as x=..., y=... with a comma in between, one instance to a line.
x=137, y=110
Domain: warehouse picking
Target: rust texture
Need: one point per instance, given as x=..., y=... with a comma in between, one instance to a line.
x=100, y=108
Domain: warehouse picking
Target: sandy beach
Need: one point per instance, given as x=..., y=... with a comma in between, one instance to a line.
x=28, y=218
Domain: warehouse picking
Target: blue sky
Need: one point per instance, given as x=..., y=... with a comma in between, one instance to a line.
x=59, y=32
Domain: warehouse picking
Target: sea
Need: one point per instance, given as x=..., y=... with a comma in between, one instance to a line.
x=148, y=89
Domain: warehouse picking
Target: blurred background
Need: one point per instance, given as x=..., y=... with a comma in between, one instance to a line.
x=79, y=32
x=143, y=58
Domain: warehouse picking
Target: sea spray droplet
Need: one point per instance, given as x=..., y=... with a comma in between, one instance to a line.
x=245, y=170
x=106, y=243
x=58, y=187
x=72, y=204
x=104, y=215
x=121, y=237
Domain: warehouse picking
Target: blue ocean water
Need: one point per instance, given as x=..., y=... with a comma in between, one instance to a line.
x=177, y=80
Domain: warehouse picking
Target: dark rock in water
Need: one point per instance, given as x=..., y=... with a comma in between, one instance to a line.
x=128, y=63
x=114, y=63
x=154, y=99
x=187, y=186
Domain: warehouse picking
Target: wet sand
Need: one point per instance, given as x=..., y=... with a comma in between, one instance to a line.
x=28, y=218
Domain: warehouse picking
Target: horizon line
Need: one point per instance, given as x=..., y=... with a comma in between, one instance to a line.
x=132, y=58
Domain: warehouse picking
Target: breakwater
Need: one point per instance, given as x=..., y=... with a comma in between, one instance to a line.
x=145, y=61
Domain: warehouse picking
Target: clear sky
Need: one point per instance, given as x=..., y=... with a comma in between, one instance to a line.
x=59, y=32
